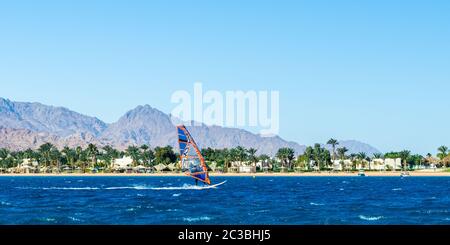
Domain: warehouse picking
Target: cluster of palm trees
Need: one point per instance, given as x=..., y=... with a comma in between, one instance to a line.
x=323, y=159
x=91, y=157
x=225, y=157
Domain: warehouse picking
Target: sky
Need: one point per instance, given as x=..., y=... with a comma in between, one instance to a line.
x=373, y=71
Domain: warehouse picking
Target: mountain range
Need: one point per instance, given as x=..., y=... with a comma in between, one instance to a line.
x=28, y=125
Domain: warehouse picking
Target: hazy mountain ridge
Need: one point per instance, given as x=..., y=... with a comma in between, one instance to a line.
x=42, y=118
x=28, y=125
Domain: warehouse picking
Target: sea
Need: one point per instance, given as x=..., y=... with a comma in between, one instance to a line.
x=240, y=201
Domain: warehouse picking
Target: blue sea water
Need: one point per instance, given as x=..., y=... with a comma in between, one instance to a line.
x=242, y=200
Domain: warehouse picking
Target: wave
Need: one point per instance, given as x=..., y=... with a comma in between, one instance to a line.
x=59, y=188
x=369, y=218
x=74, y=219
x=176, y=194
x=71, y=188
x=135, y=187
x=196, y=219
x=316, y=204
x=2, y=203
x=397, y=189
x=184, y=187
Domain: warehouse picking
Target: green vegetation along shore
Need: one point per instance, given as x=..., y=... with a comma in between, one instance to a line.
x=48, y=159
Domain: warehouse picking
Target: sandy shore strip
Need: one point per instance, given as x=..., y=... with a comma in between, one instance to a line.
x=304, y=174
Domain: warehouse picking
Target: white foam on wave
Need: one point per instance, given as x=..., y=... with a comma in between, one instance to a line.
x=196, y=219
x=74, y=219
x=184, y=187
x=397, y=189
x=46, y=219
x=176, y=194
x=71, y=188
x=136, y=187
x=370, y=218
x=316, y=204
x=59, y=188
x=3, y=203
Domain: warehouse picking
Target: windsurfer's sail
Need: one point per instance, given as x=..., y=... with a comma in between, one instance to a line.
x=192, y=161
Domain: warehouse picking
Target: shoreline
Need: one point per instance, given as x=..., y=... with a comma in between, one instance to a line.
x=305, y=174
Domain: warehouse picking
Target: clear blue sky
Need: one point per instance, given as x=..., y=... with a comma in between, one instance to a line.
x=374, y=71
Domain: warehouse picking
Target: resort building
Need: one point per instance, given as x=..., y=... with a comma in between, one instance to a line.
x=124, y=163
x=27, y=166
x=247, y=169
x=242, y=167
x=340, y=165
x=393, y=164
x=377, y=164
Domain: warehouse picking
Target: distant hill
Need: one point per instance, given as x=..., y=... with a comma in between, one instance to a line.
x=42, y=118
x=28, y=125
x=146, y=125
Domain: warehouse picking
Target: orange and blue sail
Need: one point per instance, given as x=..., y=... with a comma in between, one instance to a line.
x=192, y=161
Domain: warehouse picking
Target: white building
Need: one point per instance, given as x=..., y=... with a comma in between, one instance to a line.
x=377, y=164
x=394, y=164
x=123, y=163
x=28, y=162
x=339, y=165
x=27, y=166
x=247, y=169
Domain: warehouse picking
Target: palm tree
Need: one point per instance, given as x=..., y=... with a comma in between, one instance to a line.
x=69, y=155
x=227, y=158
x=309, y=155
x=264, y=159
x=377, y=155
x=165, y=155
x=442, y=152
x=147, y=155
x=55, y=158
x=241, y=154
x=81, y=158
x=318, y=153
x=404, y=155
x=361, y=157
x=252, y=156
x=341, y=152
x=333, y=143
x=4, y=153
x=110, y=155
x=92, y=152
x=133, y=152
x=286, y=155
x=45, y=151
